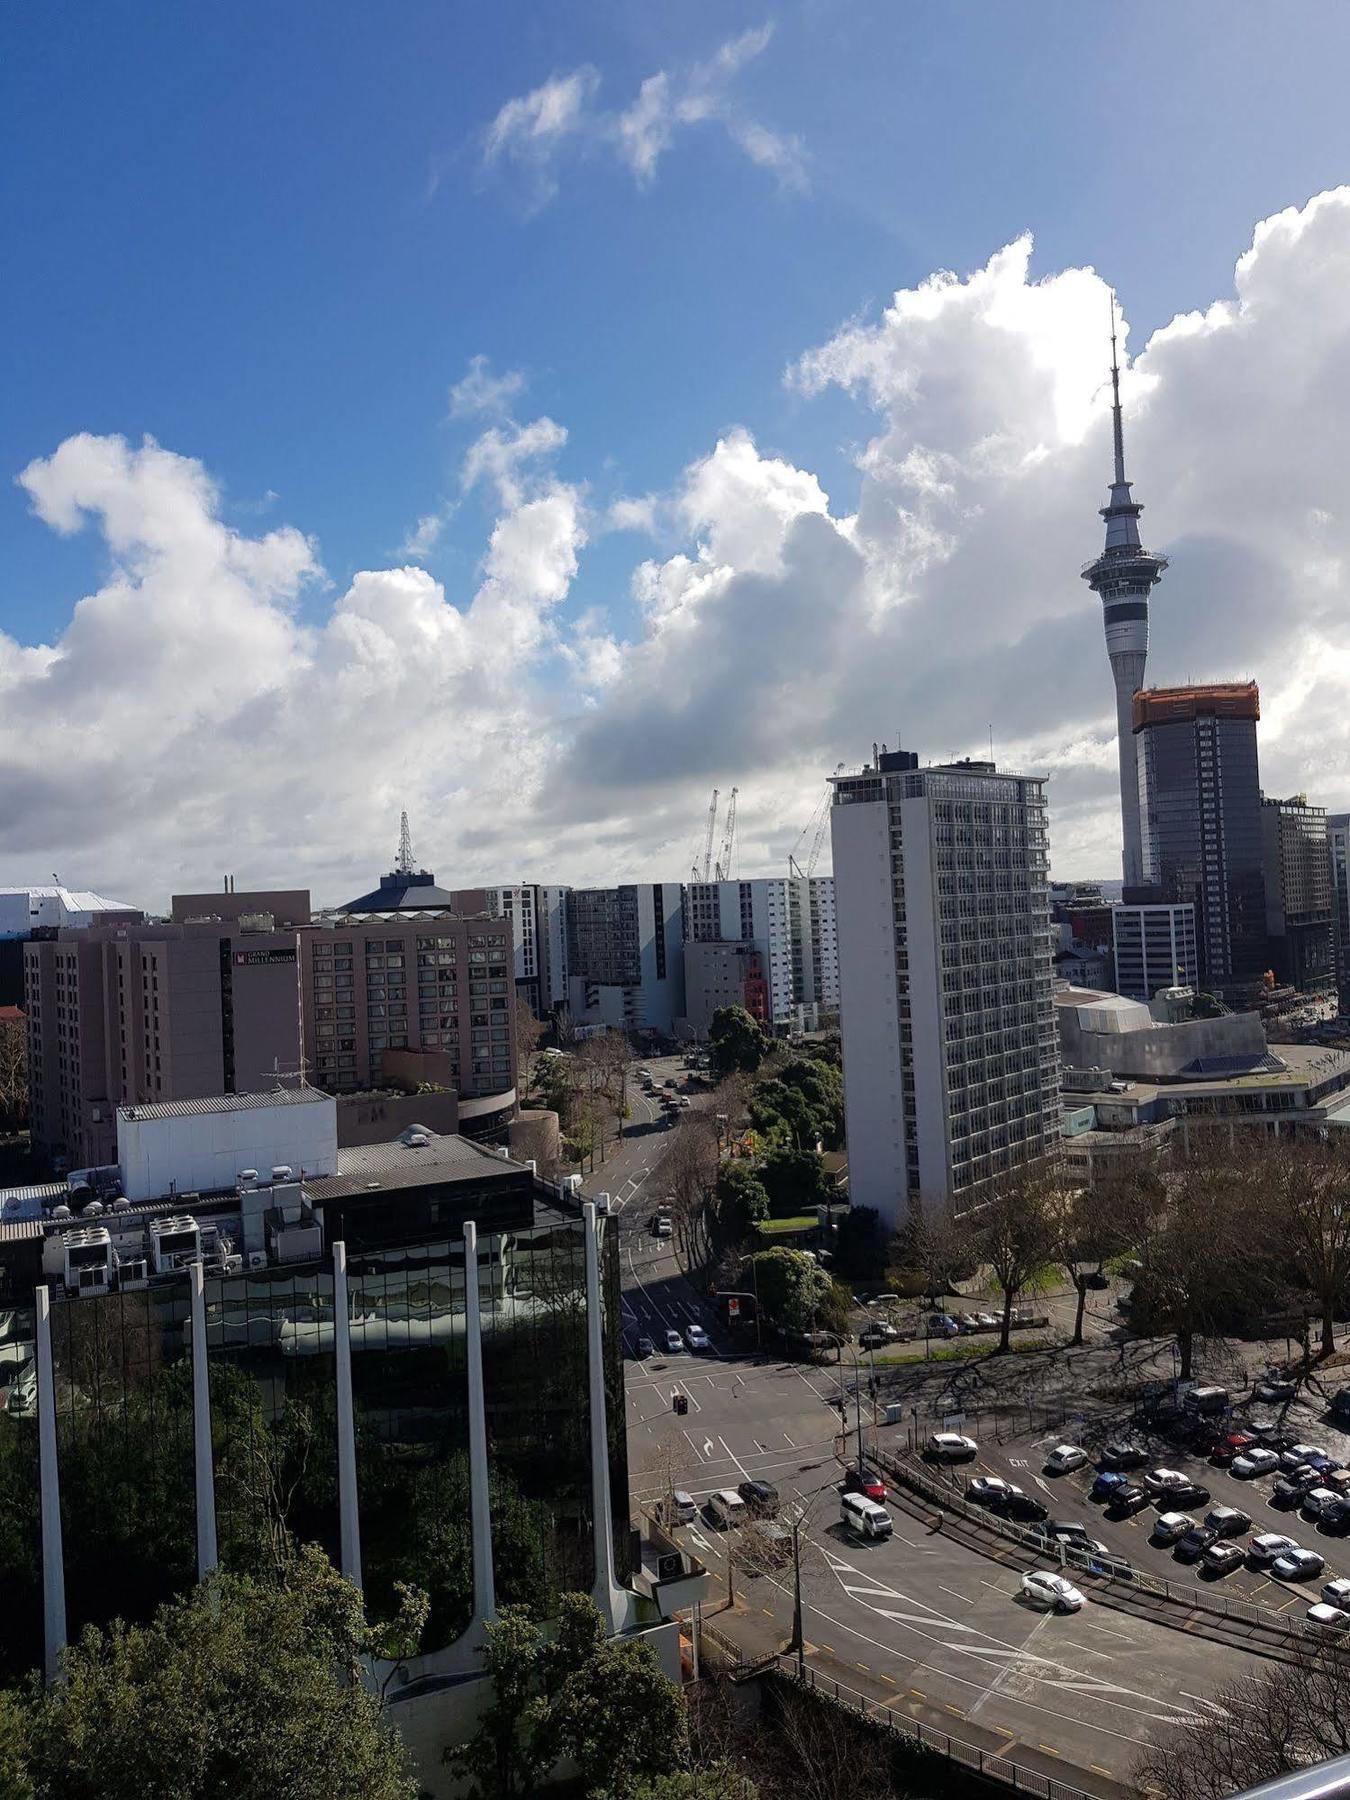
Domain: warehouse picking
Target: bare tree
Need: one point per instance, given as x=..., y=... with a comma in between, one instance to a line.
x=819, y=1751
x=1104, y=1219
x=614, y=1057
x=13, y=1072
x=1305, y=1186
x=1014, y=1233
x=1256, y=1728
x=938, y=1245
x=1208, y=1263
x=689, y=1170
x=528, y=1030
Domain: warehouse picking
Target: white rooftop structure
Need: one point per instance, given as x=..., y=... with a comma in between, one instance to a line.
x=203, y=1146
x=25, y=909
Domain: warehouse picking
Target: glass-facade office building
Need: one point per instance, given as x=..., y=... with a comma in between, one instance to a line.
x=401, y=1505
x=1203, y=842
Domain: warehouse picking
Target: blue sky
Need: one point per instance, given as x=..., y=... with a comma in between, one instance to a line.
x=268, y=237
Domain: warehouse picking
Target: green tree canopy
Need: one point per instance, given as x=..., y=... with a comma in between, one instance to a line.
x=792, y=1288
x=736, y=1041
x=241, y=1688
x=712, y=1781
x=794, y=1181
x=742, y=1200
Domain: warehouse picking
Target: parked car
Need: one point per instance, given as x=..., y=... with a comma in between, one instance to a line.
x=1098, y=1279
x=1129, y=1499
x=1229, y=1521
x=1230, y=1445
x=1170, y=1527
x=1328, y=1618
x=1164, y=1481
x=1062, y=1531
x=1334, y=1518
x=1121, y=1453
x=943, y=1325
x=1063, y=1458
x=988, y=1490
x=1052, y=1592
x=1107, y=1485
x=1318, y=1497
x=1193, y=1546
x=864, y=1481
x=1255, y=1461
x=662, y=1226
x=679, y=1508
x=1289, y=1488
x=1300, y=1453
x=1298, y=1565
x=1020, y=1508
x=644, y=1348
x=761, y=1497
x=1340, y=1407
x=697, y=1339
x=674, y=1343
x=1337, y=1592
x=1275, y=1389
x=1267, y=1546
x=951, y=1446
x=874, y=1334
x=1206, y=1401
x=1222, y=1559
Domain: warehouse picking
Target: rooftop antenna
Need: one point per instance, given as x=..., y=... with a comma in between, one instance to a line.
x=404, y=864
x=1117, y=433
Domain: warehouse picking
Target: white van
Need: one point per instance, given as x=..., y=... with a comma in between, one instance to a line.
x=727, y=1508
x=868, y=1518
x=678, y=1508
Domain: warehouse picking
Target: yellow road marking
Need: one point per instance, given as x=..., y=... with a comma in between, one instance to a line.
x=828, y=1649
x=888, y=1679
x=863, y=1667
x=918, y=1693
x=1049, y=1749
x=1097, y=1769
x=956, y=1710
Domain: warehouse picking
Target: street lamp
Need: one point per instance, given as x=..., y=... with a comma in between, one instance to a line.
x=797, y=1642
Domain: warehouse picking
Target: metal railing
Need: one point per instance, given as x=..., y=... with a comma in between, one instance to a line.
x=993, y=1767
x=945, y=1492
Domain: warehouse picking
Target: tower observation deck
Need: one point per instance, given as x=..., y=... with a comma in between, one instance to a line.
x=1123, y=576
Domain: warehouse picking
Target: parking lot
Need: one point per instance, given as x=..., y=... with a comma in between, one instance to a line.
x=1067, y=1497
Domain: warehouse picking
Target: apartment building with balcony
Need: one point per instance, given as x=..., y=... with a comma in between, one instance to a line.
x=951, y=1059
x=791, y=923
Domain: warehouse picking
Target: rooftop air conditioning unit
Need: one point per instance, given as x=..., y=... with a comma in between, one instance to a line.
x=88, y=1259
x=282, y=1172
x=121, y=1204
x=248, y=1178
x=174, y=1243
x=257, y=1259
x=232, y=1264
x=132, y=1274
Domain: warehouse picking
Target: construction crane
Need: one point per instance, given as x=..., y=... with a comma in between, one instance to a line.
x=702, y=870
x=728, y=842
x=815, y=829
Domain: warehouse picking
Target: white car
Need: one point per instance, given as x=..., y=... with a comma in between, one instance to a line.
x=1298, y=1565
x=1300, y=1453
x=1255, y=1462
x=1264, y=1549
x=1053, y=1592
x=1170, y=1526
x=950, y=1446
x=1316, y=1498
x=1328, y=1618
x=1063, y=1458
x=697, y=1338
x=1162, y=1481
x=1337, y=1592
x=674, y=1343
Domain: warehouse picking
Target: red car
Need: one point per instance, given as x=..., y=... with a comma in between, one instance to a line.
x=1230, y=1444
x=864, y=1481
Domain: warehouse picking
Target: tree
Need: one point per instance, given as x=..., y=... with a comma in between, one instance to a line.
x=1255, y=1729
x=240, y=1687
x=861, y=1244
x=938, y=1245
x=1208, y=1268
x=711, y=1781
x=614, y=1056
x=528, y=1031
x=736, y=1041
x=1014, y=1233
x=742, y=1200
x=791, y=1286
x=1102, y=1220
x=601, y=1703
x=13, y=1073
x=794, y=1181
x=689, y=1169
x=1306, y=1187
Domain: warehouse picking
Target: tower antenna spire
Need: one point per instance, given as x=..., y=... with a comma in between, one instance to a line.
x=404, y=864
x=1117, y=431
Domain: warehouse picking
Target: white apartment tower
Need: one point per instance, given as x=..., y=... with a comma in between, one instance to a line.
x=538, y=915
x=792, y=925
x=951, y=1058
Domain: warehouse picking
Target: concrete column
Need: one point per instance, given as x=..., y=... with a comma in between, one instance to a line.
x=484, y=1590
x=605, y=1578
x=348, y=1511
x=203, y=1465
x=53, y=1558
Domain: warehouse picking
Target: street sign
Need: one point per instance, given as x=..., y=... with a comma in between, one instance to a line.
x=733, y=1306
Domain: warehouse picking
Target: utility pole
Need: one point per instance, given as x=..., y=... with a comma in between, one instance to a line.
x=798, y=1641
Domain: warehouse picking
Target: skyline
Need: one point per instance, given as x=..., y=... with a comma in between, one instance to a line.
x=727, y=540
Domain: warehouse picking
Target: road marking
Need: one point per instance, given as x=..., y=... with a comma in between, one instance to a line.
x=1106, y=1633
x=955, y=1596
x=1097, y=1769
x=918, y=1693
x=954, y=1709
x=707, y=1448
x=736, y=1459
x=789, y=1440
x=1049, y=1749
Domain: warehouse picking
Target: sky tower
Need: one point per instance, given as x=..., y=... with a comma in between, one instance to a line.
x=1123, y=575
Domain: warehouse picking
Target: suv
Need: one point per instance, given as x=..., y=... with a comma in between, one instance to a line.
x=1228, y=1521
x=760, y=1496
x=662, y=1227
